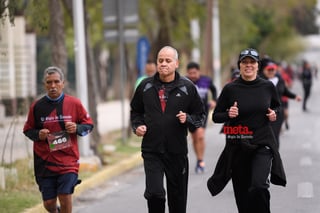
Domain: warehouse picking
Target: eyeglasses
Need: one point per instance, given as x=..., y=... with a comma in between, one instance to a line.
x=250, y=52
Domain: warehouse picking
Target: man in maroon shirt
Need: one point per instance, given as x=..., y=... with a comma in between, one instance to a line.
x=53, y=123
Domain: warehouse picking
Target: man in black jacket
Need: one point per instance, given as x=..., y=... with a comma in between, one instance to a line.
x=161, y=109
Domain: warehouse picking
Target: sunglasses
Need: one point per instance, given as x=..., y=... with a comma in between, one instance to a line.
x=250, y=52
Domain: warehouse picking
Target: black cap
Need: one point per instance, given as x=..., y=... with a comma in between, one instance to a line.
x=249, y=52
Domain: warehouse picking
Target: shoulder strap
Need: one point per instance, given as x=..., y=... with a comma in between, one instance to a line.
x=59, y=112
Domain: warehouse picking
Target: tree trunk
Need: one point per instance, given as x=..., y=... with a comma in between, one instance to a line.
x=92, y=86
x=57, y=37
x=163, y=37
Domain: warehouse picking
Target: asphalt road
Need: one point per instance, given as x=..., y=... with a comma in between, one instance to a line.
x=300, y=150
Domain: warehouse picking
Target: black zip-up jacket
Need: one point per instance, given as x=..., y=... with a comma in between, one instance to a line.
x=164, y=131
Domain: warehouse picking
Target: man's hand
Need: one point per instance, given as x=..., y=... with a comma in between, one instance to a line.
x=43, y=133
x=212, y=104
x=182, y=116
x=141, y=130
x=71, y=127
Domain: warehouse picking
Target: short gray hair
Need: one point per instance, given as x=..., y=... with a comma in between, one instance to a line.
x=176, y=55
x=51, y=70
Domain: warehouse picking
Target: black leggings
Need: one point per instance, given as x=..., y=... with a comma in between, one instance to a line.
x=250, y=179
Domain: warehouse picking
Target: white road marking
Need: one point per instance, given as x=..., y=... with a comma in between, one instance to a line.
x=305, y=190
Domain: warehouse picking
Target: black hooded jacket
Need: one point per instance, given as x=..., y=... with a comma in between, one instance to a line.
x=253, y=99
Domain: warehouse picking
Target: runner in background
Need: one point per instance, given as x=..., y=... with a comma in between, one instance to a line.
x=286, y=74
x=306, y=78
x=270, y=72
x=204, y=85
x=150, y=70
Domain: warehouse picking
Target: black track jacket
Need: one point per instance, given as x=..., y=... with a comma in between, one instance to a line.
x=164, y=131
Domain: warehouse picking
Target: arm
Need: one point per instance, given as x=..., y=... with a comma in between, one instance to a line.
x=275, y=103
x=32, y=134
x=30, y=130
x=83, y=126
x=221, y=112
x=213, y=92
x=83, y=129
x=137, y=110
x=291, y=95
x=213, y=101
x=196, y=114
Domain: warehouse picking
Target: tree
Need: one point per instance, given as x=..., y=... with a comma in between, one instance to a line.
x=57, y=35
x=7, y=10
x=168, y=23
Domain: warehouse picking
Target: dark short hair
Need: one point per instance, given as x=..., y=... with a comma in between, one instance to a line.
x=150, y=61
x=193, y=65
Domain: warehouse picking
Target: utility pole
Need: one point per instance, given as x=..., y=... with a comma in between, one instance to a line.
x=123, y=72
x=195, y=35
x=318, y=15
x=216, y=45
x=81, y=67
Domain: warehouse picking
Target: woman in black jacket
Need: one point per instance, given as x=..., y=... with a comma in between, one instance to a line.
x=247, y=106
x=270, y=72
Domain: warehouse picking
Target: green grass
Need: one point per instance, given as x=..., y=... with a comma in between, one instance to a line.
x=13, y=201
x=22, y=192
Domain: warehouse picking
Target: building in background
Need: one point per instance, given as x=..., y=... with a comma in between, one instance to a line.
x=17, y=66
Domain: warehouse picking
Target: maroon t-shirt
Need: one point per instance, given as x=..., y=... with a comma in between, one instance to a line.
x=51, y=115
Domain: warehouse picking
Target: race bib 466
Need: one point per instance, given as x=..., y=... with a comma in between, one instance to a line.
x=59, y=140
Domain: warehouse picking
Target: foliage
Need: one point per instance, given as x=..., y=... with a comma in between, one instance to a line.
x=303, y=19
x=169, y=19
x=260, y=24
x=271, y=26
x=37, y=16
x=7, y=9
x=265, y=24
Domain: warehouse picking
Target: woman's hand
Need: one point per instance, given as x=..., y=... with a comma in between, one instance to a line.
x=271, y=115
x=233, y=111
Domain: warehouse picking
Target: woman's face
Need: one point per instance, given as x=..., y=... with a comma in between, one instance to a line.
x=249, y=69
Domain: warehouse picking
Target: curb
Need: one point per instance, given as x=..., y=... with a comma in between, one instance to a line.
x=98, y=178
